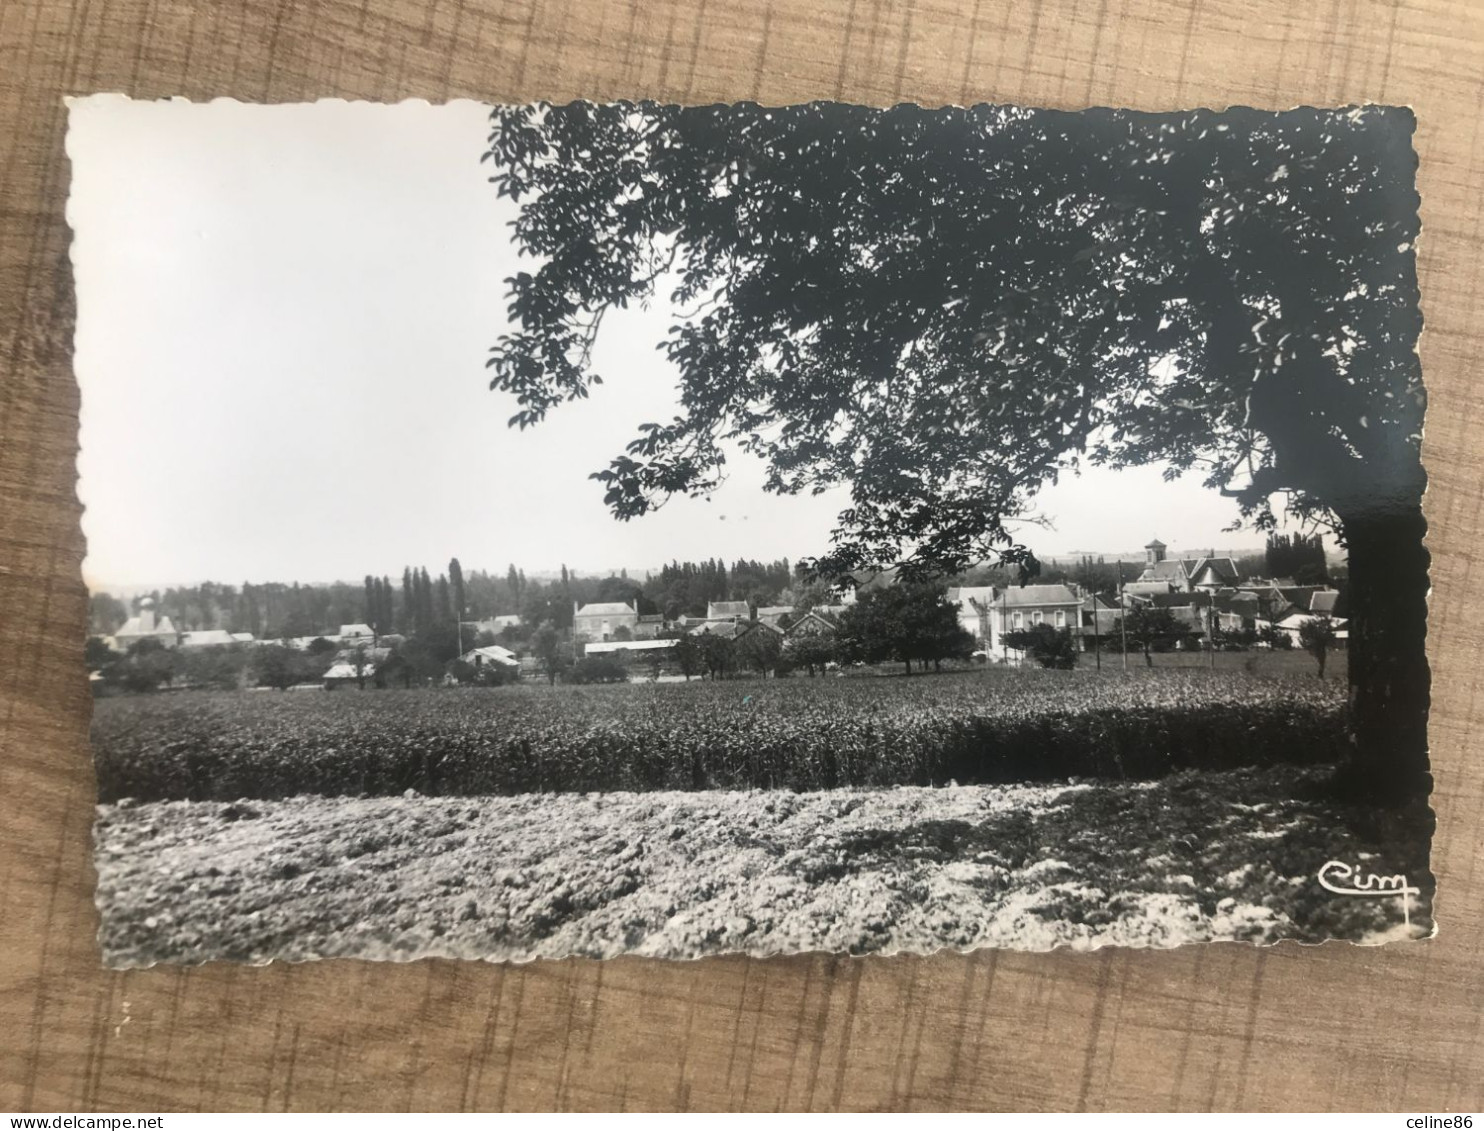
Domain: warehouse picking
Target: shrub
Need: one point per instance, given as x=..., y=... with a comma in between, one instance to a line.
x=602, y=668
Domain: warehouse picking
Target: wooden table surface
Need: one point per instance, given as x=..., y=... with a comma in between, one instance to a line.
x=1220, y=1026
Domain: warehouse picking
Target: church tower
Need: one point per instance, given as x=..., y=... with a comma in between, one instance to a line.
x=1154, y=552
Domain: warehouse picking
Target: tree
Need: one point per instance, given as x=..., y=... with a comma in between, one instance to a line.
x=718, y=655
x=551, y=651
x=946, y=309
x=903, y=622
x=456, y=589
x=277, y=666
x=603, y=668
x=1050, y=647
x=1318, y=635
x=1275, y=638
x=97, y=654
x=690, y=656
x=760, y=649
x=1298, y=556
x=221, y=667
x=1152, y=629
x=362, y=664
x=106, y=614
x=813, y=651
x=147, y=665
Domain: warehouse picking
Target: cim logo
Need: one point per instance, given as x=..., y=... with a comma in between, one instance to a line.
x=1345, y=879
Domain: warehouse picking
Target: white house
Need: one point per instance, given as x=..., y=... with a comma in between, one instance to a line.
x=1181, y=575
x=208, y=638
x=1293, y=623
x=600, y=647
x=976, y=614
x=490, y=654
x=728, y=610
x=144, y=626
x=494, y=625
x=603, y=619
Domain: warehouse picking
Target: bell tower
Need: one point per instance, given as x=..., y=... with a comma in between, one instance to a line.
x=1154, y=552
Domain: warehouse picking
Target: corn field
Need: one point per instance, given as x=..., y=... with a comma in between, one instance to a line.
x=981, y=728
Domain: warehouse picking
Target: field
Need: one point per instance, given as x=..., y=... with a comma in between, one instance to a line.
x=1293, y=662
x=995, y=807
x=1191, y=858
x=982, y=727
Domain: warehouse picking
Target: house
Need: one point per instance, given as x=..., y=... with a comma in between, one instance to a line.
x=774, y=615
x=143, y=625
x=477, y=658
x=1021, y=607
x=208, y=638
x=728, y=610
x=1236, y=610
x=627, y=647
x=817, y=621
x=493, y=625
x=975, y=608
x=355, y=666
x=650, y=626
x=344, y=674
x=1292, y=626
x=355, y=633
x=1098, y=618
x=732, y=629
x=1323, y=603
x=1192, y=611
x=602, y=620
x=1184, y=575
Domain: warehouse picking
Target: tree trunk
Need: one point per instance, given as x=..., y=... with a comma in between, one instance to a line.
x=1389, y=678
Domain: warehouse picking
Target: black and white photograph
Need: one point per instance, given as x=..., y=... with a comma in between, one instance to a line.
x=534, y=531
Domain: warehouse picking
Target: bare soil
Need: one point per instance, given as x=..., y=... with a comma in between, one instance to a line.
x=1193, y=858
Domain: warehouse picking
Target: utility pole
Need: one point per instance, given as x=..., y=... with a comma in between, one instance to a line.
x=1211, y=629
x=1123, y=615
x=1097, y=637
x=1004, y=623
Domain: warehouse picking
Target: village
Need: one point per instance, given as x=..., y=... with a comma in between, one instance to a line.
x=1174, y=604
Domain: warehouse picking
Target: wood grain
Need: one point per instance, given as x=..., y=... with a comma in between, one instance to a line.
x=1223, y=1026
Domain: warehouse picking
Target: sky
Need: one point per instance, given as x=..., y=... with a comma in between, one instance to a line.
x=283, y=318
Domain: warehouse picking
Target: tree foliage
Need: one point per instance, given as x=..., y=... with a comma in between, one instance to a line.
x=552, y=653
x=1318, y=635
x=1050, y=647
x=761, y=650
x=905, y=622
x=1297, y=556
x=944, y=309
x=1152, y=628
x=947, y=309
x=813, y=652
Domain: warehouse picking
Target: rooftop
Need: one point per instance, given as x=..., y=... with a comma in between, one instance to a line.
x=1022, y=595
x=607, y=609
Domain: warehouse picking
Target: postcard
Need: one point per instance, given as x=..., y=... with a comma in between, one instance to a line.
x=533, y=531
